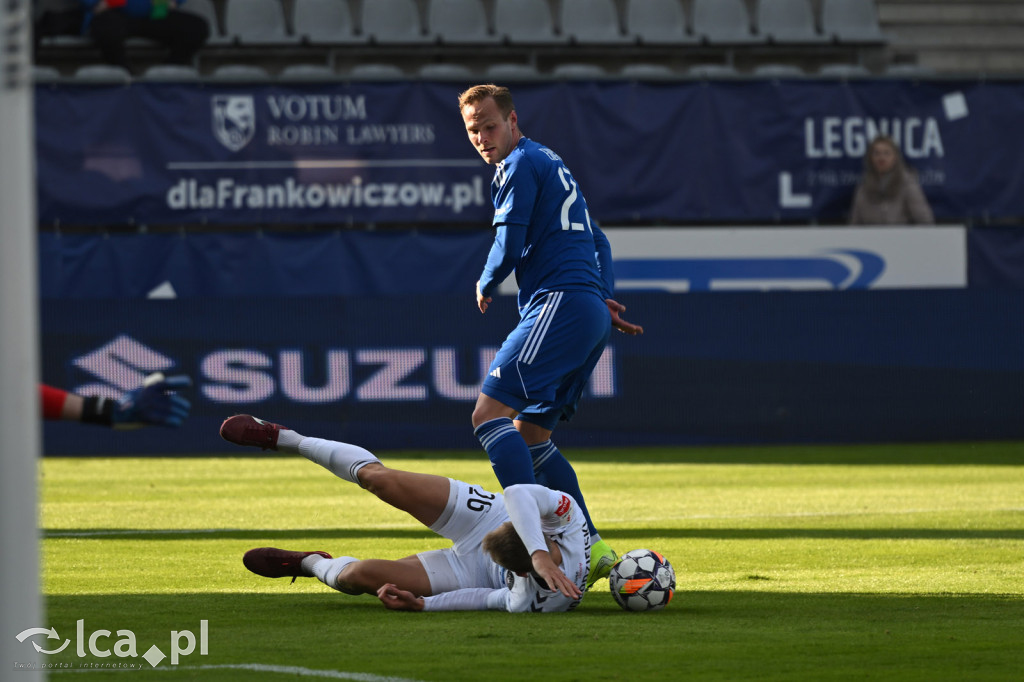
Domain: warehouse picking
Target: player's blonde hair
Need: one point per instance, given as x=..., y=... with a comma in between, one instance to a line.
x=478, y=93
x=506, y=548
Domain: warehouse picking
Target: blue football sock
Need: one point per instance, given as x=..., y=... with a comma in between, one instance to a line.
x=552, y=469
x=510, y=458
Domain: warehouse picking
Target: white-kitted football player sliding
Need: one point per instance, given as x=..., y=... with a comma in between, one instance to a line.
x=526, y=550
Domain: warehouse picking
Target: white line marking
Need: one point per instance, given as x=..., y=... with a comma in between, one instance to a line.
x=140, y=531
x=115, y=532
x=801, y=515
x=261, y=668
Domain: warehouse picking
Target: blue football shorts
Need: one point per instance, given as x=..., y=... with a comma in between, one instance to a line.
x=545, y=362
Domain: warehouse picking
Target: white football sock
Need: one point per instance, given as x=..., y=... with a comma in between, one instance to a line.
x=328, y=570
x=288, y=441
x=309, y=562
x=341, y=459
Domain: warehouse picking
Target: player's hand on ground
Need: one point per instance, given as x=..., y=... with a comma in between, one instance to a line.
x=154, y=403
x=545, y=567
x=616, y=309
x=399, y=600
x=482, y=301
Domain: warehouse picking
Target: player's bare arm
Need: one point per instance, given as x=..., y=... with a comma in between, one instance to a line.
x=399, y=600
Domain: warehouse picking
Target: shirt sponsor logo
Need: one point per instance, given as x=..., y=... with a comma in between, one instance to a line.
x=564, y=505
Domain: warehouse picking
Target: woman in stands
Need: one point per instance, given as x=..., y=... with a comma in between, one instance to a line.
x=889, y=192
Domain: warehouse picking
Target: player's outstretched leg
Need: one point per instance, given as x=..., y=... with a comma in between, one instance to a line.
x=424, y=496
x=341, y=459
x=344, y=574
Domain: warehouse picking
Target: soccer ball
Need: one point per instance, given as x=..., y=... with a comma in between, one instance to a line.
x=642, y=580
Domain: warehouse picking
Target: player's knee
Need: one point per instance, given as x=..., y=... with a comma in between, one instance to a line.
x=479, y=417
x=376, y=478
x=355, y=579
x=486, y=410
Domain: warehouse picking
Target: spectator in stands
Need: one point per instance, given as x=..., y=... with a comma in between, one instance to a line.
x=889, y=192
x=112, y=22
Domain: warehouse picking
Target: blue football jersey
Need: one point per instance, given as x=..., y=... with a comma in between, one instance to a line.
x=543, y=229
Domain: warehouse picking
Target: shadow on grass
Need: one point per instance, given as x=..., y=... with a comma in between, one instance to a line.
x=714, y=635
x=698, y=533
x=999, y=453
x=870, y=454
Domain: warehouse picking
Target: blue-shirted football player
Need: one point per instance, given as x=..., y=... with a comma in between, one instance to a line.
x=563, y=268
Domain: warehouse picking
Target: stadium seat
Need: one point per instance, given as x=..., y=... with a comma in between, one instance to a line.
x=851, y=21
x=45, y=74
x=528, y=22
x=256, y=22
x=460, y=22
x=241, y=73
x=102, y=73
x=658, y=22
x=75, y=41
x=307, y=72
x=647, y=72
x=779, y=71
x=445, y=72
x=712, y=71
x=393, y=22
x=324, y=22
x=789, y=21
x=512, y=72
x=376, y=72
x=723, y=22
x=171, y=72
x=579, y=72
x=909, y=71
x=207, y=10
x=592, y=22
x=843, y=71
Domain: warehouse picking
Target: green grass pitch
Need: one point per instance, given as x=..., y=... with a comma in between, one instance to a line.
x=793, y=563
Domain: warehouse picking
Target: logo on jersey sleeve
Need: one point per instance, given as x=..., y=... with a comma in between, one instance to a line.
x=550, y=154
x=564, y=505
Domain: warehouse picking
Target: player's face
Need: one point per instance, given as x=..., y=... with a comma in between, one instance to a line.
x=883, y=157
x=492, y=135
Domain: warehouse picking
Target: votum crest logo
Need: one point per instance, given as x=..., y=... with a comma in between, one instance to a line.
x=234, y=120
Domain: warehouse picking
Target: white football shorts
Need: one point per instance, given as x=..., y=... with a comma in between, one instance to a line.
x=471, y=513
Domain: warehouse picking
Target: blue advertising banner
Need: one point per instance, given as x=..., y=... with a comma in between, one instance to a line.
x=735, y=151
x=340, y=263
x=399, y=263
x=403, y=372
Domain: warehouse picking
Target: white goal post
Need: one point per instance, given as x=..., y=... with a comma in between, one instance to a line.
x=20, y=430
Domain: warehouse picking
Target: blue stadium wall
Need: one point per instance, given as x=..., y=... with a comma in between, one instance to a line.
x=398, y=369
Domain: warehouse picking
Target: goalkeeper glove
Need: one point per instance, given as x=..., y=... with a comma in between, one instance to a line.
x=155, y=402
